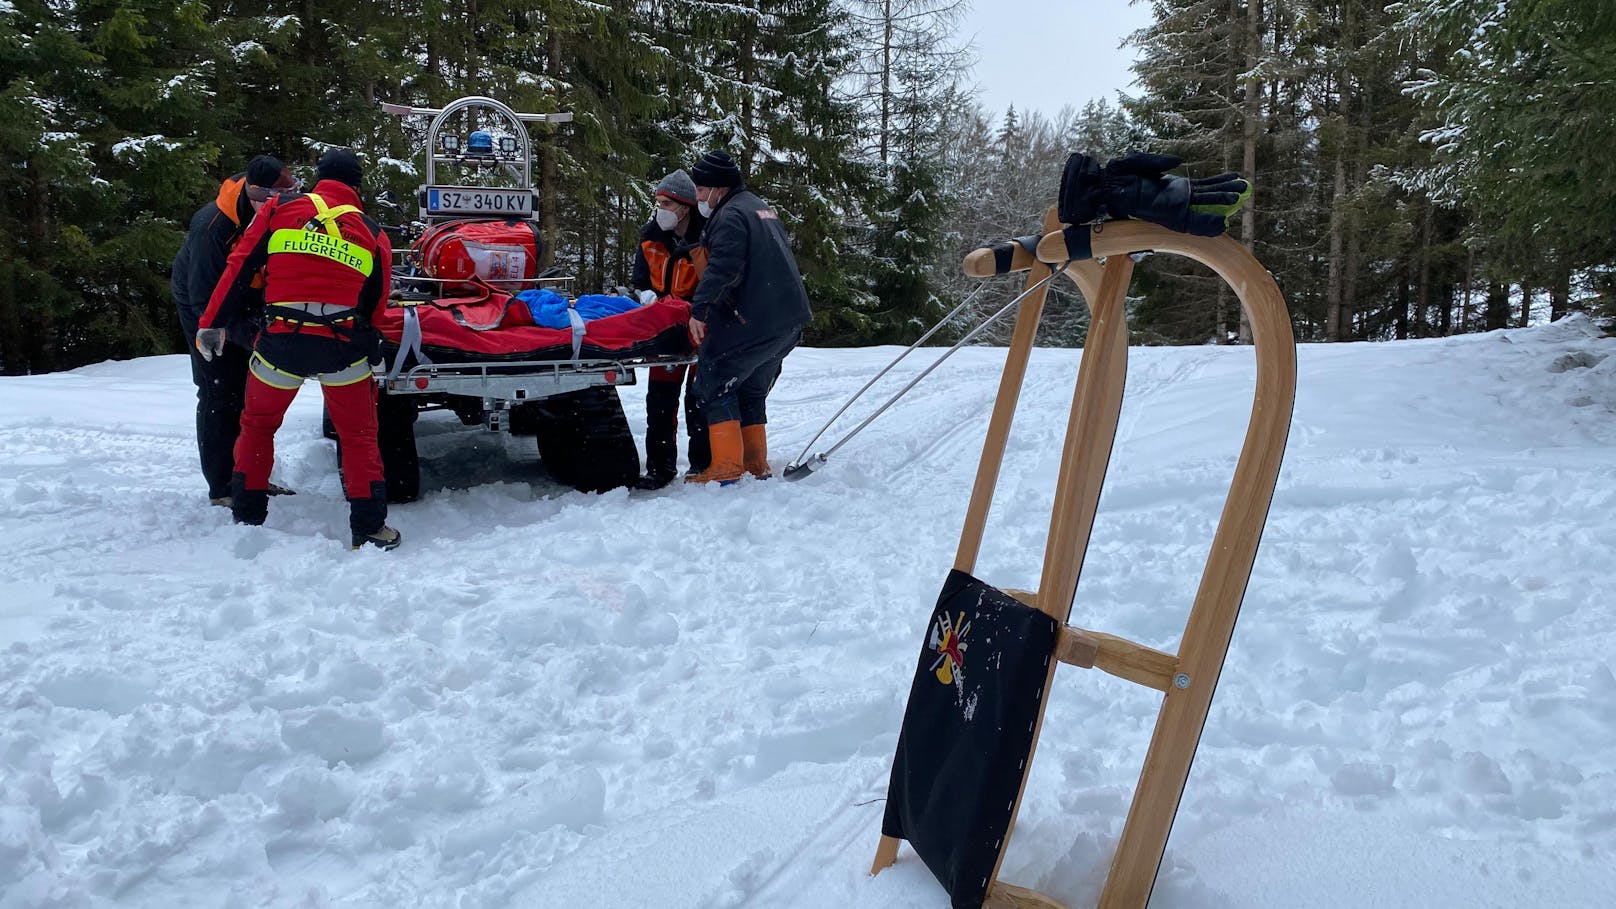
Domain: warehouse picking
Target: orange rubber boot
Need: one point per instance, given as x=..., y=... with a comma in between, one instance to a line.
x=755, y=442
x=729, y=454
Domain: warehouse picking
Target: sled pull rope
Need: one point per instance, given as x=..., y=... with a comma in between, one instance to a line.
x=804, y=466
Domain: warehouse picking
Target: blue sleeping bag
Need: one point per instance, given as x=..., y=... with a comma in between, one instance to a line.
x=549, y=308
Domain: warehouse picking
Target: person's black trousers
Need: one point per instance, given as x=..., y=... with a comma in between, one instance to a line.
x=733, y=383
x=662, y=426
x=221, y=391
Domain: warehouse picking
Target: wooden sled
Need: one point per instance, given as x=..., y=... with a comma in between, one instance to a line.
x=1188, y=678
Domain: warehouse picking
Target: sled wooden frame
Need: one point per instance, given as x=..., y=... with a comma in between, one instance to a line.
x=1188, y=678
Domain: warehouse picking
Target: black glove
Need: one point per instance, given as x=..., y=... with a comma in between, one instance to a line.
x=1138, y=187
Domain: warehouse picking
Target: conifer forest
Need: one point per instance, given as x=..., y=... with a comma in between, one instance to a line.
x=1421, y=168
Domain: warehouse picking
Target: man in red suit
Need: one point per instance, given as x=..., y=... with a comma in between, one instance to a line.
x=326, y=268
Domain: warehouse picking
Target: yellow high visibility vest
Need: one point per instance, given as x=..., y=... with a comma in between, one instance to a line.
x=327, y=245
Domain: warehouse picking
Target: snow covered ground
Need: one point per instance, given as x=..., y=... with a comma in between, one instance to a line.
x=690, y=698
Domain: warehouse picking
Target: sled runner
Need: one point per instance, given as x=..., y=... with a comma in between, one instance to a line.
x=978, y=696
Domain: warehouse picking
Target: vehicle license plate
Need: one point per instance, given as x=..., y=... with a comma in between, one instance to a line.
x=463, y=200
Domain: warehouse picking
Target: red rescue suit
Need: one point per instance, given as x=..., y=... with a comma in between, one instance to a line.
x=326, y=267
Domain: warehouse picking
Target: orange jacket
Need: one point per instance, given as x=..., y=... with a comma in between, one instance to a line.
x=667, y=265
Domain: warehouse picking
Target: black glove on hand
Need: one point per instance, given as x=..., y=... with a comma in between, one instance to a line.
x=1138, y=187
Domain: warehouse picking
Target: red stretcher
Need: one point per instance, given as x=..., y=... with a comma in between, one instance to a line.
x=484, y=344
x=492, y=326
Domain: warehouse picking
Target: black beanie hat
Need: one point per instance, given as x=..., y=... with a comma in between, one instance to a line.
x=268, y=171
x=716, y=168
x=339, y=164
x=266, y=176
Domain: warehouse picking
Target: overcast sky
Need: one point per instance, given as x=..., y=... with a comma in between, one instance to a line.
x=1040, y=54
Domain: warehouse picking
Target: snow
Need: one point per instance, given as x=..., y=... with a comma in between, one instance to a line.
x=690, y=698
x=245, y=50
x=403, y=165
x=187, y=82
x=133, y=146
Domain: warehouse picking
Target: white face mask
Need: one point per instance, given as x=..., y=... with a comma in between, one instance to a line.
x=705, y=209
x=666, y=219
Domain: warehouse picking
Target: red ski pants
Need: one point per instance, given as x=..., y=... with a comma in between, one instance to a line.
x=353, y=412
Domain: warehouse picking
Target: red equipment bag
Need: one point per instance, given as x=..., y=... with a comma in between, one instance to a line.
x=502, y=252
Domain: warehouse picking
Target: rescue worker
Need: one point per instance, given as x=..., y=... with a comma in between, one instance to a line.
x=326, y=269
x=747, y=314
x=221, y=383
x=666, y=264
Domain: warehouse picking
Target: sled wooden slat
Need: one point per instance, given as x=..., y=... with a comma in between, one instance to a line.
x=1086, y=275
x=1090, y=430
x=1076, y=647
x=982, y=263
x=1189, y=678
x=987, y=471
x=1108, y=653
x=1004, y=408
x=1212, y=617
x=1117, y=656
x=885, y=854
x=1009, y=896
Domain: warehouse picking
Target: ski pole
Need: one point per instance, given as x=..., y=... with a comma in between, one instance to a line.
x=969, y=299
x=803, y=468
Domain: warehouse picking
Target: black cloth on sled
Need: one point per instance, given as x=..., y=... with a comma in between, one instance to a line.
x=967, y=732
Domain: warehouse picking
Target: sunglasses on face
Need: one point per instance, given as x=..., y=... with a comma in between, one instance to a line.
x=264, y=193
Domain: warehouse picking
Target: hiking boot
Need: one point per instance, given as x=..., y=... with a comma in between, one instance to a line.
x=653, y=481
x=247, y=506
x=385, y=539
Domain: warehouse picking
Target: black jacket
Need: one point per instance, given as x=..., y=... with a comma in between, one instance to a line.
x=751, y=289
x=214, y=230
